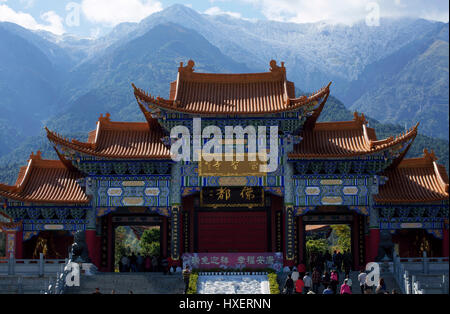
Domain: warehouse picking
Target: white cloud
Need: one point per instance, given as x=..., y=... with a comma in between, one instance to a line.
x=113, y=12
x=54, y=21
x=348, y=11
x=218, y=11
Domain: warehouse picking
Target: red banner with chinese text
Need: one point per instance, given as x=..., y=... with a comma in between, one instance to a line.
x=233, y=260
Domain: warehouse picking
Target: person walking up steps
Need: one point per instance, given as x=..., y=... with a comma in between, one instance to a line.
x=315, y=280
x=186, y=277
x=295, y=274
x=308, y=282
x=334, y=280
x=326, y=279
x=349, y=282
x=345, y=288
x=289, y=285
x=362, y=280
x=299, y=286
x=328, y=290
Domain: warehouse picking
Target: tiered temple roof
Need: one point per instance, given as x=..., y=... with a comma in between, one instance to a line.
x=415, y=180
x=213, y=94
x=345, y=139
x=55, y=181
x=46, y=181
x=119, y=140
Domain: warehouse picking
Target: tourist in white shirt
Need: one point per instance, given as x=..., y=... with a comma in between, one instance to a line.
x=308, y=282
x=362, y=280
x=295, y=274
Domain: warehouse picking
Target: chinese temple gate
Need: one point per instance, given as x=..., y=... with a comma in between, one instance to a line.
x=327, y=173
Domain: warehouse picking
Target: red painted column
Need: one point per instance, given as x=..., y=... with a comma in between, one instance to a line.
x=374, y=241
x=91, y=243
x=98, y=247
x=367, y=250
x=19, y=245
x=191, y=227
x=445, y=243
x=110, y=266
x=273, y=208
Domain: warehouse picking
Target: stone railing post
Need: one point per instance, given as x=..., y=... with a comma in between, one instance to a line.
x=57, y=287
x=20, y=285
x=407, y=282
x=11, y=264
x=41, y=264
x=444, y=284
x=425, y=263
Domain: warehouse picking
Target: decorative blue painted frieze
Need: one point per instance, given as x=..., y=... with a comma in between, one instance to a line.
x=355, y=191
x=54, y=224
x=51, y=212
x=418, y=216
x=288, y=122
x=123, y=191
x=370, y=165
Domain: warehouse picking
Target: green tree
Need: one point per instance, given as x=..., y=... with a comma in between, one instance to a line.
x=316, y=246
x=343, y=233
x=150, y=242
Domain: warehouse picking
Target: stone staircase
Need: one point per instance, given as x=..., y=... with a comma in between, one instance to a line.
x=122, y=283
x=431, y=283
x=388, y=277
x=29, y=284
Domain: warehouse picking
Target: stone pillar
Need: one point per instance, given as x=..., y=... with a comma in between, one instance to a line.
x=445, y=242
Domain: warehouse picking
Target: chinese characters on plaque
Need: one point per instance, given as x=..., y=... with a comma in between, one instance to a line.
x=244, y=196
x=233, y=260
x=230, y=168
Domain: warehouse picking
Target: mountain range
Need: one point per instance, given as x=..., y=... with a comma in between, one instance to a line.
x=396, y=73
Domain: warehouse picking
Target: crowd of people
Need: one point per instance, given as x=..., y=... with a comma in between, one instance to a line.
x=140, y=263
x=330, y=275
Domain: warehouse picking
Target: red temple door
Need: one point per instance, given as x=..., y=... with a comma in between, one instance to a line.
x=232, y=232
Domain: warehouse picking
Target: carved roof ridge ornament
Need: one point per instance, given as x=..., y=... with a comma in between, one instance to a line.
x=189, y=68
x=430, y=156
x=274, y=68
x=38, y=155
x=359, y=119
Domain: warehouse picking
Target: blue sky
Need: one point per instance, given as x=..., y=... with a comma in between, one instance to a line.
x=93, y=18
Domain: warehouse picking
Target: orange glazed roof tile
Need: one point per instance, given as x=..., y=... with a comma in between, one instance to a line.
x=46, y=181
x=128, y=140
x=209, y=94
x=415, y=180
x=344, y=139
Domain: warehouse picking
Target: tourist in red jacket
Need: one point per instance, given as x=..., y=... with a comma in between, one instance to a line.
x=301, y=269
x=299, y=286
